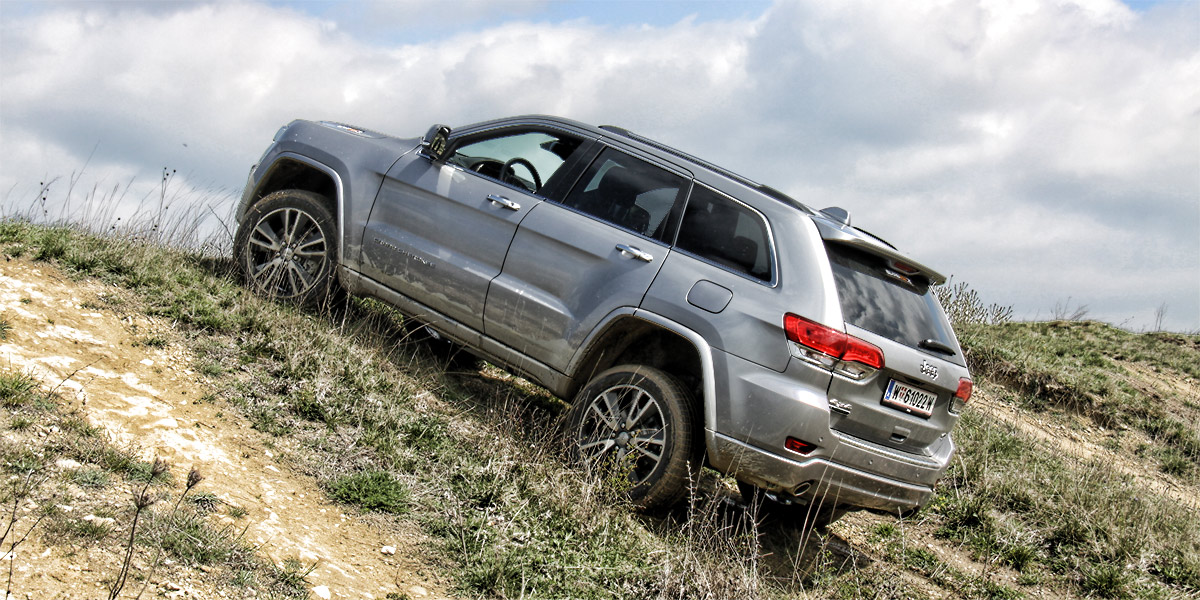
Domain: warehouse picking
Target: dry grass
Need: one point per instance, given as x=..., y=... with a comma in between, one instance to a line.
x=472, y=458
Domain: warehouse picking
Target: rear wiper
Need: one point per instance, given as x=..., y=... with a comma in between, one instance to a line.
x=937, y=346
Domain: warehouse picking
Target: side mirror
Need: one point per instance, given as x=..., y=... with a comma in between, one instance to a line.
x=435, y=140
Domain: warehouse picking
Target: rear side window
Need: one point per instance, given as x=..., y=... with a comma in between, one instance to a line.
x=724, y=231
x=881, y=300
x=627, y=192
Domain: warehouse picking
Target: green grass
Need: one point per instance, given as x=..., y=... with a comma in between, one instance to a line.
x=374, y=490
x=496, y=494
x=473, y=461
x=1079, y=366
x=1009, y=500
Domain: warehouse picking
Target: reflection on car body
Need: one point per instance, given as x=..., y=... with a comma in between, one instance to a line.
x=691, y=316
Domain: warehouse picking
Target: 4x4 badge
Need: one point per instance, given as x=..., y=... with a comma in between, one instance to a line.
x=928, y=370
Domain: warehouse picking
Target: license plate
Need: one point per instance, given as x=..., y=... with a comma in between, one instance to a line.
x=909, y=399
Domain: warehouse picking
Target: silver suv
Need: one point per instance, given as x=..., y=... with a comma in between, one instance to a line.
x=691, y=316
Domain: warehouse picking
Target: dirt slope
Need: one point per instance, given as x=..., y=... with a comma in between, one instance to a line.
x=133, y=381
x=130, y=375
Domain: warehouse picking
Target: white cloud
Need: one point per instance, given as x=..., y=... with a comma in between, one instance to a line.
x=1019, y=145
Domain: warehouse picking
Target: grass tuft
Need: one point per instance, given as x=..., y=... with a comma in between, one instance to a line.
x=375, y=490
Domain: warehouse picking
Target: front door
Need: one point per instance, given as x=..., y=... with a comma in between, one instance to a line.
x=438, y=232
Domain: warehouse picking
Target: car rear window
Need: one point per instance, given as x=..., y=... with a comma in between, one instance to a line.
x=882, y=300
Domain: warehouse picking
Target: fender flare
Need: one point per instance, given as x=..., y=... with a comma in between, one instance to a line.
x=339, y=202
x=703, y=350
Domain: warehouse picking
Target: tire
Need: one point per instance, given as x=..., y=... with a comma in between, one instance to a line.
x=805, y=517
x=287, y=248
x=635, y=423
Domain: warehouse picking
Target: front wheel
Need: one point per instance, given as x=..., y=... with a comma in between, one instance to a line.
x=635, y=423
x=286, y=246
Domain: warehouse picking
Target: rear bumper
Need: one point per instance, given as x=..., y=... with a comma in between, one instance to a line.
x=820, y=479
x=761, y=408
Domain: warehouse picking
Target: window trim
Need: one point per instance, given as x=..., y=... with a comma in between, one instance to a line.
x=772, y=255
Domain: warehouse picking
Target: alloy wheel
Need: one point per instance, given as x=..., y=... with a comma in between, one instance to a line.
x=624, y=427
x=288, y=253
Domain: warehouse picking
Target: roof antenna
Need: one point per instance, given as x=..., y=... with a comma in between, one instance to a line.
x=838, y=214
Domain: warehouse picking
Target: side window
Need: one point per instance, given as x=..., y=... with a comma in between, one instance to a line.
x=526, y=160
x=722, y=230
x=627, y=192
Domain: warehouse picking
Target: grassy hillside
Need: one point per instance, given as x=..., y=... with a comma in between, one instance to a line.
x=1077, y=473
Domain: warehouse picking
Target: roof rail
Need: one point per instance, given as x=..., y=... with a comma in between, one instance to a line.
x=766, y=190
x=679, y=153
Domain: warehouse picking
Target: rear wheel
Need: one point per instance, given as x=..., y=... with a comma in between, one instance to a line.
x=635, y=423
x=287, y=248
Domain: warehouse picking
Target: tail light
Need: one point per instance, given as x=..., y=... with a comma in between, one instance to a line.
x=962, y=395
x=831, y=349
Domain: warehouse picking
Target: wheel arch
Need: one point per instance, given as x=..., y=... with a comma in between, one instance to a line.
x=647, y=338
x=294, y=171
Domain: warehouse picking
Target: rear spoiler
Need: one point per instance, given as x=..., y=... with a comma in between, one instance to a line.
x=832, y=231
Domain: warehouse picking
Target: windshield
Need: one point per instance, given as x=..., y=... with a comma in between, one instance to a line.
x=884, y=301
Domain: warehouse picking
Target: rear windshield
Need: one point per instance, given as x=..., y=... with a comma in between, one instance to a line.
x=884, y=301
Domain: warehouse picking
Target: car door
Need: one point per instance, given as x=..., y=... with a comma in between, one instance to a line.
x=438, y=231
x=573, y=262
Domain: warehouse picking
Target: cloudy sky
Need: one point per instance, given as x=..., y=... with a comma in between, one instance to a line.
x=1045, y=151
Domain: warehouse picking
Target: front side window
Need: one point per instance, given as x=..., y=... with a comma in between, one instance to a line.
x=724, y=231
x=526, y=160
x=627, y=192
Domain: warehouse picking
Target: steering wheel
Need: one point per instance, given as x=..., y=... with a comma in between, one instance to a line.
x=507, y=175
x=488, y=167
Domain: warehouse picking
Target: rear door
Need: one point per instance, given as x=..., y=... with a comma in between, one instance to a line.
x=573, y=262
x=888, y=304
x=438, y=232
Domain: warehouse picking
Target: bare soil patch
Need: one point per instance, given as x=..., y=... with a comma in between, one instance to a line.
x=1075, y=436
x=130, y=376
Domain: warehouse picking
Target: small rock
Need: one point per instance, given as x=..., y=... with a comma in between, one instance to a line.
x=322, y=591
x=417, y=591
x=388, y=550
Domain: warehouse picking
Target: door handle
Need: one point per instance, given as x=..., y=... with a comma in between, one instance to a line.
x=635, y=252
x=505, y=202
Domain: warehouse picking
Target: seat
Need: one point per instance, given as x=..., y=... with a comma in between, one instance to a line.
x=613, y=200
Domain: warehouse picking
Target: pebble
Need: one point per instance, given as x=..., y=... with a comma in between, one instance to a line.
x=388, y=550
x=322, y=591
